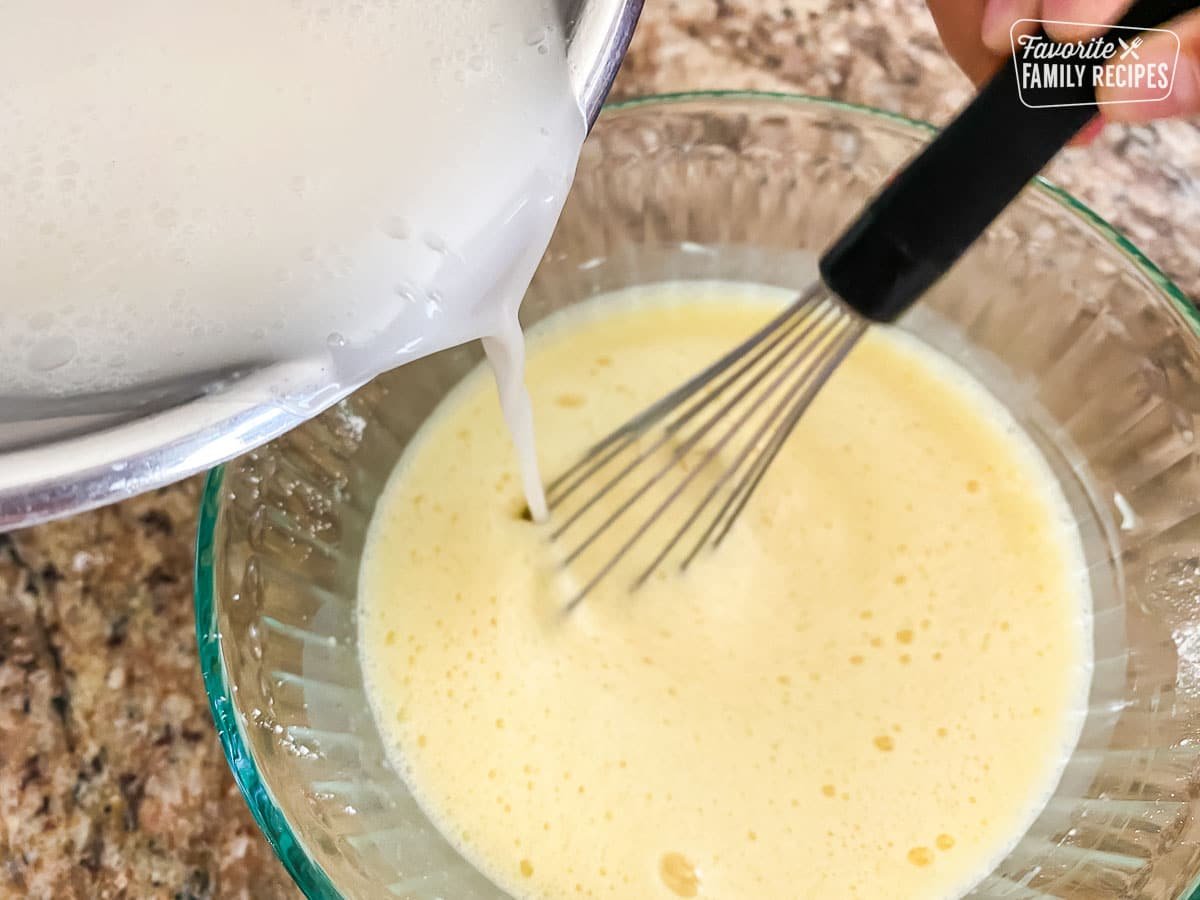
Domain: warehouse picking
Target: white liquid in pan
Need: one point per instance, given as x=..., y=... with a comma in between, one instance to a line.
x=191, y=187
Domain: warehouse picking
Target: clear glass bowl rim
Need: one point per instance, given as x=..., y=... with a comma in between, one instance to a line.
x=305, y=871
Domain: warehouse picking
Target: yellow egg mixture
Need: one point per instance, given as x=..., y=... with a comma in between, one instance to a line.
x=870, y=689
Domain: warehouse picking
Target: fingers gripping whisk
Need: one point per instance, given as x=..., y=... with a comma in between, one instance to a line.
x=685, y=468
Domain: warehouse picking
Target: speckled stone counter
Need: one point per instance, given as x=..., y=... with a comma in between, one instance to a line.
x=112, y=783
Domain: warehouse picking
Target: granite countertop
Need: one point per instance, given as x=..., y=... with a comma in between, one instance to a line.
x=112, y=783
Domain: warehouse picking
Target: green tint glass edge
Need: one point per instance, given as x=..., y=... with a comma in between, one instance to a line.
x=308, y=875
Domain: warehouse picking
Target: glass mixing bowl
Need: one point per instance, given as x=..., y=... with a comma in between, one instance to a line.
x=1093, y=349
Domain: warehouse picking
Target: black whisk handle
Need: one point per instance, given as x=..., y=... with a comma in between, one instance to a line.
x=931, y=212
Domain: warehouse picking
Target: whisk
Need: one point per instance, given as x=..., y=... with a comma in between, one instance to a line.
x=713, y=438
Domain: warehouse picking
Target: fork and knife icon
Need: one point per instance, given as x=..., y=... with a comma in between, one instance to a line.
x=1129, y=49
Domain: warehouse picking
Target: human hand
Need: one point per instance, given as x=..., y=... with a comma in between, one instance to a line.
x=977, y=35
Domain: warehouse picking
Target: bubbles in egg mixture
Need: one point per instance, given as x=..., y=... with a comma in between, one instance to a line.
x=834, y=704
x=227, y=185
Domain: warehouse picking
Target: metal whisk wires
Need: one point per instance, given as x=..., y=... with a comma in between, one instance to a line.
x=688, y=464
